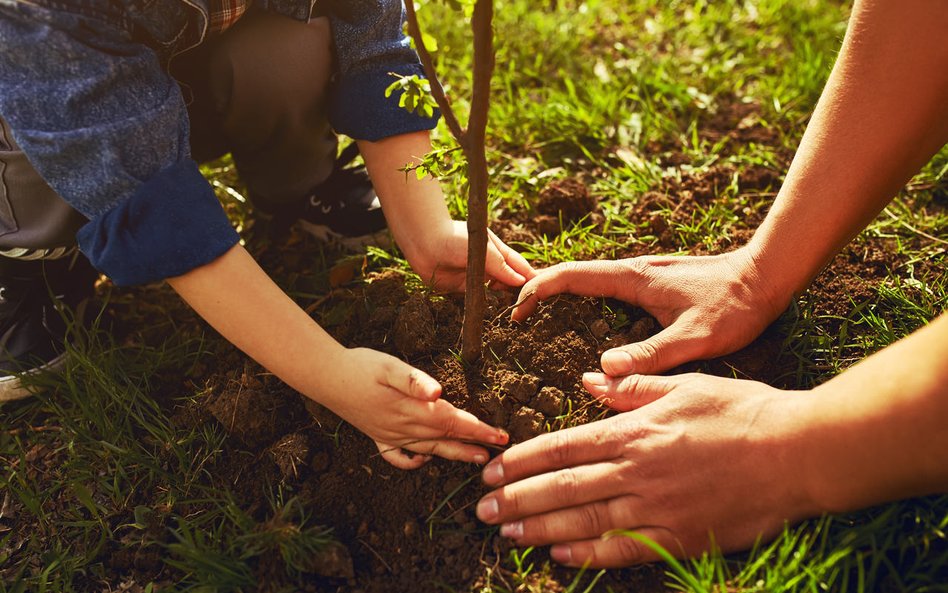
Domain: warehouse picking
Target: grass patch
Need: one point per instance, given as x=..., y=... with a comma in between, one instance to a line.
x=633, y=97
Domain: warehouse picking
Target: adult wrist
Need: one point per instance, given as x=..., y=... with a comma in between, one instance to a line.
x=766, y=282
x=788, y=268
x=836, y=478
x=795, y=448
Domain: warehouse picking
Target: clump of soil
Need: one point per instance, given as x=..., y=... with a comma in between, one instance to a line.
x=560, y=205
x=563, y=203
x=248, y=411
x=414, y=330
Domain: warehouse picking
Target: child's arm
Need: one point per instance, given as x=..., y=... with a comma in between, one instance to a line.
x=395, y=405
x=435, y=245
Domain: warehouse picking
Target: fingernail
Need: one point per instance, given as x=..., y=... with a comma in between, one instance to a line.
x=595, y=383
x=493, y=473
x=487, y=509
x=616, y=362
x=502, y=437
x=562, y=554
x=512, y=530
x=480, y=459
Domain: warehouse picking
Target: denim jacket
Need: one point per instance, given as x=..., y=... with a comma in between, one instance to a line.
x=84, y=87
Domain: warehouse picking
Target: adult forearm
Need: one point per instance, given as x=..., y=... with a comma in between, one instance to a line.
x=879, y=431
x=880, y=118
x=240, y=301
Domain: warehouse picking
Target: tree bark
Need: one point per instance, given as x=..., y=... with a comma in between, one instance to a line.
x=472, y=140
x=473, y=145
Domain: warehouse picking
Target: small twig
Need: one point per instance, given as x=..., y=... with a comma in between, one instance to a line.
x=437, y=91
x=417, y=441
x=510, y=308
x=374, y=553
x=44, y=428
x=317, y=303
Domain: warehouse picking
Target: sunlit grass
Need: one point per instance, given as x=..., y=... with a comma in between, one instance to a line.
x=601, y=89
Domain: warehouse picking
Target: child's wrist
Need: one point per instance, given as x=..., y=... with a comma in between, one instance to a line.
x=424, y=250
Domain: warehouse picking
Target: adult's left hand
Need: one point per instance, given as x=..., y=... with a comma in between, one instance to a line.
x=703, y=461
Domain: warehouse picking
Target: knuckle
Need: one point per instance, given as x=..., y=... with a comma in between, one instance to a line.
x=649, y=351
x=628, y=550
x=591, y=519
x=450, y=426
x=630, y=384
x=560, y=449
x=537, y=531
x=511, y=502
x=632, y=265
x=567, y=484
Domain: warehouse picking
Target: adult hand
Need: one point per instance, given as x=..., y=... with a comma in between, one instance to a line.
x=443, y=265
x=704, y=461
x=708, y=305
x=399, y=407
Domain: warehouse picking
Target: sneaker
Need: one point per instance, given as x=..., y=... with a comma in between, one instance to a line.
x=32, y=327
x=343, y=209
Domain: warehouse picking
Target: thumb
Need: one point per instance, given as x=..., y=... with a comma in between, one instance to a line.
x=586, y=278
x=628, y=392
x=674, y=345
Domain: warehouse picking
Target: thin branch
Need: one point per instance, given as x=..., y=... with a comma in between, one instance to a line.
x=437, y=91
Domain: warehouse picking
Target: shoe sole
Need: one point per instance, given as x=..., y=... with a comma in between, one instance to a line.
x=12, y=387
x=381, y=239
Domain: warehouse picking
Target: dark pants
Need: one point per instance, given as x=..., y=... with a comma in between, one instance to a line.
x=257, y=91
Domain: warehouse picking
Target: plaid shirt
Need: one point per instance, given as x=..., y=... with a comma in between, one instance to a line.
x=224, y=13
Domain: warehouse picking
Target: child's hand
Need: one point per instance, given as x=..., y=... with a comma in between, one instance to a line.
x=444, y=265
x=399, y=408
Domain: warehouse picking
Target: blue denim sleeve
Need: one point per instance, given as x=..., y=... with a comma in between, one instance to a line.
x=107, y=128
x=370, y=48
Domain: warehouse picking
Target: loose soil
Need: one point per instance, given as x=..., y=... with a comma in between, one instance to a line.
x=416, y=531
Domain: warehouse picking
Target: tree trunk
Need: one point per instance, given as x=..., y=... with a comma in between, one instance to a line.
x=474, y=149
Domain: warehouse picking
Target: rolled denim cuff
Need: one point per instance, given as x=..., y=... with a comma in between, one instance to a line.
x=359, y=108
x=170, y=226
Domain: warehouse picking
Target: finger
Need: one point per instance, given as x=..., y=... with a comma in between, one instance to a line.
x=498, y=267
x=453, y=450
x=677, y=344
x=543, y=493
x=513, y=258
x=577, y=523
x=410, y=381
x=615, y=551
x=446, y=421
x=397, y=457
x=590, y=278
x=629, y=392
x=570, y=447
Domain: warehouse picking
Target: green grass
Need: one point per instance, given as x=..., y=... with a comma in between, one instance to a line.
x=94, y=464
x=603, y=89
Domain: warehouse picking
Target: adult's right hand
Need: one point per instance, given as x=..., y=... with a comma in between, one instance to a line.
x=708, y=305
